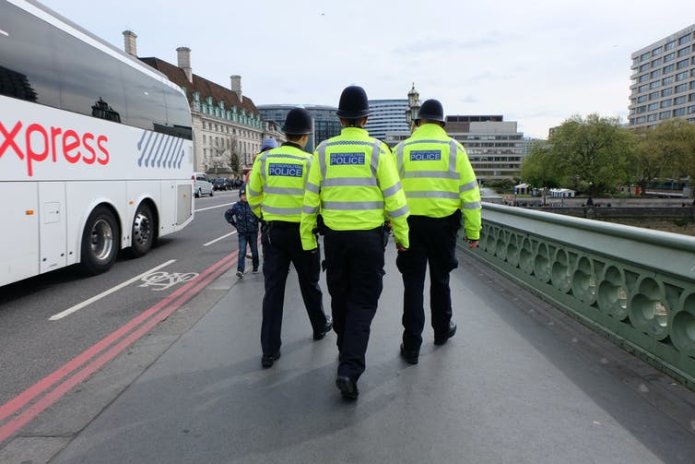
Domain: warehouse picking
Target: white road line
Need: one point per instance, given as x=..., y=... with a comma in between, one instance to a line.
x=226, y=205
x=79, y=306
x=220, y=238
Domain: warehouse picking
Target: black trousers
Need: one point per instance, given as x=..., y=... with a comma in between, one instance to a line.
x=282, y=246
x=433, y=241
x=354, y=274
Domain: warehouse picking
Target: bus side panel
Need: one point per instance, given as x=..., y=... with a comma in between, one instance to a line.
x=53, y=225
x=19, y=237
x=81, y=199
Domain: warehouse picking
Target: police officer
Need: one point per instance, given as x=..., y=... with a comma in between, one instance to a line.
x=353, y=183
x=276, y=192
x=439, y=183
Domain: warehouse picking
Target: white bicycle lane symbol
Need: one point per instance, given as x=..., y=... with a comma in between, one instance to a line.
x=162, y=280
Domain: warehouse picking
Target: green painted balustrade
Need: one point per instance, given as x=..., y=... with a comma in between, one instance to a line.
x=635, y=286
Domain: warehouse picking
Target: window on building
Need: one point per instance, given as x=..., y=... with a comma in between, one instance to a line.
x=669, y=57
x=681, y=88
x=668, y=69
x=666, y=103
x=670, y=46
x=682, y=64
x=681, y=76
x=657, y=51
x=667, y=80
x=654, y=95
x=657, y=62
x=683, y=40
x=655, y=85
x=654, y=74
x=651, y=118
x=664, y=115
x=653, y=107
x=667, y=92
x=679, y=112
x=683, y=52
x=679, y=100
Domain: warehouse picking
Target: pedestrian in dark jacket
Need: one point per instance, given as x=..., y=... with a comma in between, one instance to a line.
x=246, y=223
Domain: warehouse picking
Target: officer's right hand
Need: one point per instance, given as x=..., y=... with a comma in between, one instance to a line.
x=400, y=247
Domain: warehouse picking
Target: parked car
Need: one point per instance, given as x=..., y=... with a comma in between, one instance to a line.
x=222, y=183
x=202, y=186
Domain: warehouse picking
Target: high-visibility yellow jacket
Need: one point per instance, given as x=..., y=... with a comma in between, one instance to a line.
x=354, y=184
x=275, y=189
x=437, y=177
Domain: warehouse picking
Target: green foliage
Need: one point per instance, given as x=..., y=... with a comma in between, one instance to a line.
x=541, y=168
x=501, y=185
x=670, y=149
x=595, y=152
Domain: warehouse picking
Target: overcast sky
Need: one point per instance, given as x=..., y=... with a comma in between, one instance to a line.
x=535, y=62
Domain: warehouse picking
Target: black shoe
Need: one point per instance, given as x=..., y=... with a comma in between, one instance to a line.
x=268, y=360
x=347, y=387
x=442, y=339
x=326, y=328
x=410, y=356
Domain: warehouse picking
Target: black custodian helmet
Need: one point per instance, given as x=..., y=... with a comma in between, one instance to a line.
x=353, y=103
x=431, y=110
x=297, y=122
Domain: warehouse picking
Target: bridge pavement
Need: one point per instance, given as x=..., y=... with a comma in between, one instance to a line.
x=519, y=383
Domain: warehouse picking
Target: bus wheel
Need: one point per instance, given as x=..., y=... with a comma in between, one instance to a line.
x=100, y=241
x=143, y=231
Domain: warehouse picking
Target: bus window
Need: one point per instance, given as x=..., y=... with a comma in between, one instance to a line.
x=90, y=80
x=144, y=99
x=27, y=65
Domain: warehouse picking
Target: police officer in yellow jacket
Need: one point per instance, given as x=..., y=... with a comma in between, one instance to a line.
x=276, y=193
x=354, y=185
x=439, y=184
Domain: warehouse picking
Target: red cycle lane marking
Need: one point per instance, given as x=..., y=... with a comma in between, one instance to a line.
x=155, y=314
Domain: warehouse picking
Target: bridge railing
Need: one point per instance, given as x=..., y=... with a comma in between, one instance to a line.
x=636, y=286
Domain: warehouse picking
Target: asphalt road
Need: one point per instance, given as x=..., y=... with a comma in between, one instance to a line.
x=33, y=345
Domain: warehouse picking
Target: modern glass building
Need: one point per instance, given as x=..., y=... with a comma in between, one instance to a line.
x=387, y=116
x=663, y=80
x=326, y=123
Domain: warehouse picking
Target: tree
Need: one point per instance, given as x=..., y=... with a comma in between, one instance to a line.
x=541, y=168
x=235, y=165
x=670, y=148
x=593, y=152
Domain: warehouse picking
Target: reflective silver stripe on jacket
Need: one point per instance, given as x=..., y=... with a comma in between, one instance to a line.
x=352, y=205
x=284, y=191
x=347, y=142
x=392, y=190
x=252, y=192
x=376, y=150
x=435, y=194
x=322, y=161
x=264, y=156
x=350, y=182
x=452, y=156
x=399, y=159
x=432, y=174
x=412, y=142
x=282, y=211
x=312, y=188
x=472, y=205
x=468, y=186
x=399, y=212
x=310, y=210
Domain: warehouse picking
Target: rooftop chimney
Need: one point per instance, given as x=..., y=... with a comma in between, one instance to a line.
x=236, y=86
x=130, y=43
x=184, y=57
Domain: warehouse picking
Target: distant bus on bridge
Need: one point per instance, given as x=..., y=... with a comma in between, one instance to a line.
x=95, y=148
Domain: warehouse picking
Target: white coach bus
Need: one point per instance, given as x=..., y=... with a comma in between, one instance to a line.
x=95, y=148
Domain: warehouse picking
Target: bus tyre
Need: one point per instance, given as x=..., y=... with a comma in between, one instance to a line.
x=143, y=231
x=100, y=241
